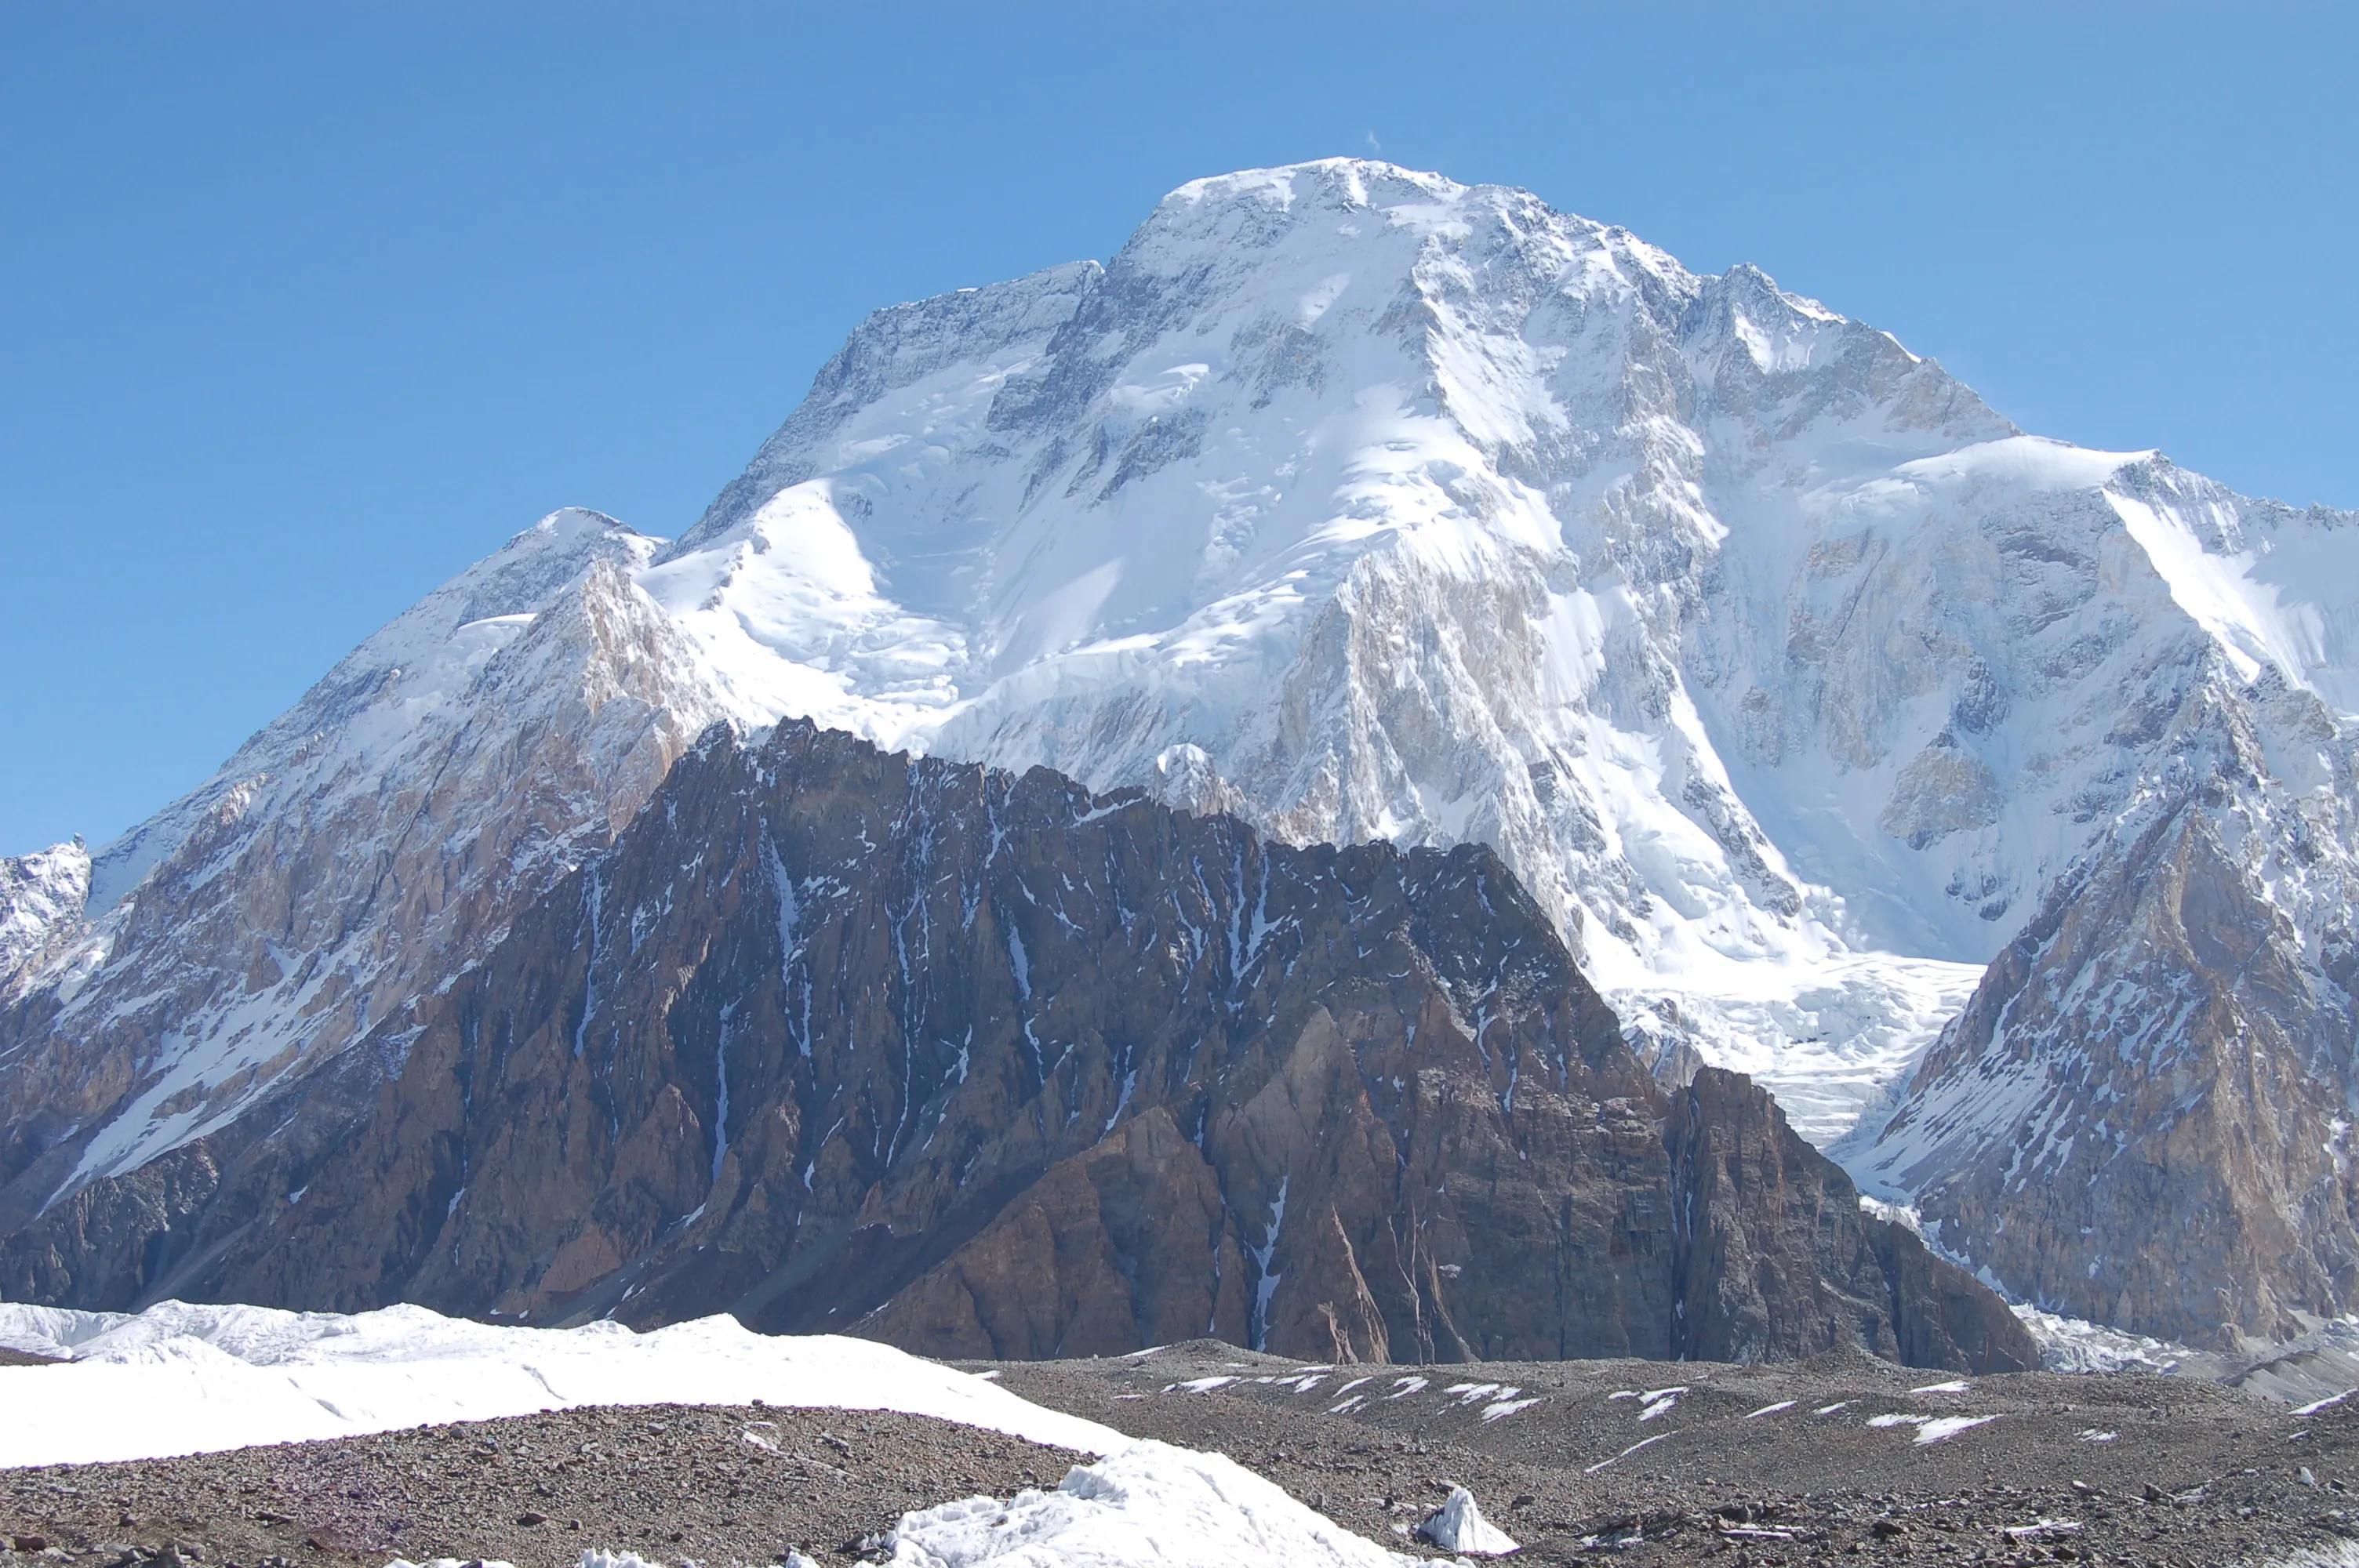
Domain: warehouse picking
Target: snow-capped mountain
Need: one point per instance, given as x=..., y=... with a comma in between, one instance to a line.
x=1793, y=681
x=1374, y=506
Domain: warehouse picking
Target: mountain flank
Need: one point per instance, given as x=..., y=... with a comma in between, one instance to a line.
x=835, y=1038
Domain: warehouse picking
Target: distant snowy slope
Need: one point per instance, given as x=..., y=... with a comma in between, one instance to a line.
x=186, y=1379
x=350, y=855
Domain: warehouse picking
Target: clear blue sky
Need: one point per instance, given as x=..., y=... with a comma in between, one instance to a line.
x=303, y=306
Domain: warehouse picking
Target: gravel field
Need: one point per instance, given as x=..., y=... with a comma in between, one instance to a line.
x=1839, y=1460
x=717, y=1484
x=1748, y=1465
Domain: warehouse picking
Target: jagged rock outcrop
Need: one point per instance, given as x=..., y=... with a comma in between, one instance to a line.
x=1767, y=1213
x=982, y=1064
x=2143, y=1115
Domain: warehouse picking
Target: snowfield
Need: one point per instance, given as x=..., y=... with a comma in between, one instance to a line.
x=179, y=1378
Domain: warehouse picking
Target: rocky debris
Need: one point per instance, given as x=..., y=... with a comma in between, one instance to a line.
x=1458, y=1525
x=670, y=1483
x=1788, y=1464
x=1744, y=1467
x=987, y=1065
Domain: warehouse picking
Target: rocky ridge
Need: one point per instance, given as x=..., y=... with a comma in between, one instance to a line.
x=349, y=855
x=2159, y=1040
x=1154, y=1077
x=42, y=897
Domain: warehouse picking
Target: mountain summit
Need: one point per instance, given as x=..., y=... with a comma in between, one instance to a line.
x=1834, y=723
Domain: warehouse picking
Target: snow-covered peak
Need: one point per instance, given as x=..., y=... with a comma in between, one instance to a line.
x=1421, y=510
x=43, y=896
x=1326, y=200
x=1339, y=181
x=1385, y=212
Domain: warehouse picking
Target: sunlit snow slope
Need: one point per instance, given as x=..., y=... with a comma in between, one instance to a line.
x=185, y=1379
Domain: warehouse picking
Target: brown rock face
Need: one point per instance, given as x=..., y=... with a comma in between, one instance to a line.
x=984, y=1066
x=2143, y=1115
x=1769, y=1217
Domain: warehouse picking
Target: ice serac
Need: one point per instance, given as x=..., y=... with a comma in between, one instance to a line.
x=985, y=1066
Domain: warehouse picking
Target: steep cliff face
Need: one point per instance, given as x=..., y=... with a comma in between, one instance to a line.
x=2143, y=1115
x=983, y=1065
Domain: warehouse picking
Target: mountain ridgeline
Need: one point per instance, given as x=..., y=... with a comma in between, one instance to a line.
x=984, y=1065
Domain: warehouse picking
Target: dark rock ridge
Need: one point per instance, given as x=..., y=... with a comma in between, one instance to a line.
x=980, y=1065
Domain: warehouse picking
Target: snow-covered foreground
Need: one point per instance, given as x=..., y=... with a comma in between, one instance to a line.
x=179, y=1378
x=187, y=1380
